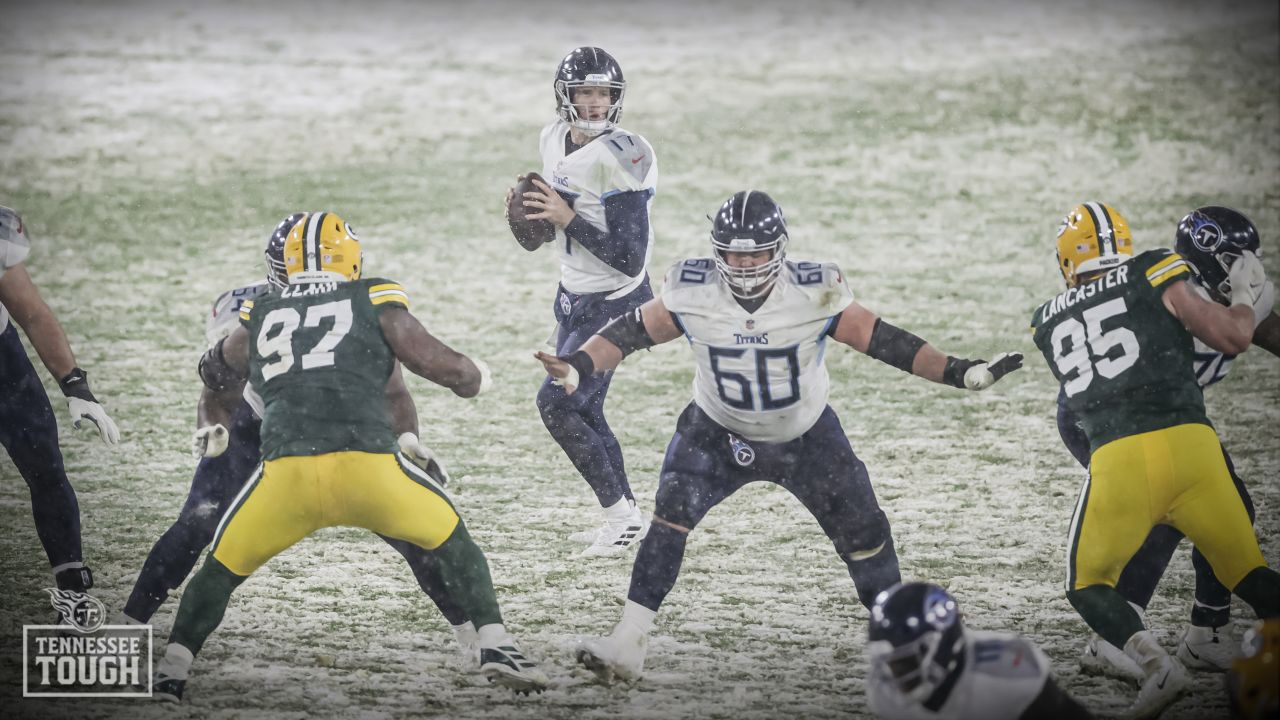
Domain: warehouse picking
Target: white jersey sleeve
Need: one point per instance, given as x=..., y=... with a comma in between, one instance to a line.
x=14, y=248
x=1002, y=675
x=759, y=374
x=616, y=162
x=224, y=316
x=1210, y=365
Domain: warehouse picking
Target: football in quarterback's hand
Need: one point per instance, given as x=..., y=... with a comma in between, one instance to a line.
x=531, y=234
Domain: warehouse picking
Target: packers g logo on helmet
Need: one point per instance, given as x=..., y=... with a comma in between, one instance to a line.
x=1092, y=237
x=322, y=247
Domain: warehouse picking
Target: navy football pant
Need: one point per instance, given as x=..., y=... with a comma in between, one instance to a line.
x=29, y=432
x=704, y=466
x=213, y=488
x=1139, y=578
x=577, y=421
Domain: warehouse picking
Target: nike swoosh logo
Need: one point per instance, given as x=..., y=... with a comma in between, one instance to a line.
x=637, y=160
x=1190, y=651
x=1160, y=685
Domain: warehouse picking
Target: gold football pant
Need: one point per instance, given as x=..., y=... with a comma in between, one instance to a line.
x=1175, y=476
x=291, y=497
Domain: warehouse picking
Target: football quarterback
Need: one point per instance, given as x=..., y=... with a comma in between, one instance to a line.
x=600, y=184
x=1119, y=340
x=757, y=323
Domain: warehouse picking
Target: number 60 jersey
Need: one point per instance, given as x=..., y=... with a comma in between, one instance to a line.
x=759, y=374
x=318, y=357
x=1124, y=361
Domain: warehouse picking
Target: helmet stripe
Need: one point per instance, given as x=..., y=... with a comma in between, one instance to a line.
x=312, y=240
x=1103, y=228
x=745, y=198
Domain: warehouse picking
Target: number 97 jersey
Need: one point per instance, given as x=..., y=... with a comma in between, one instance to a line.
x=1124, y=361
x=759, y=374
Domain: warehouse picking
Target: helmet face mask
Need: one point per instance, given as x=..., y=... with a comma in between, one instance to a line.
x=589, y=67
x=749, y=222
x=277, y=274
x=1092, y=237
x=1211, y=238
x=915, y=639
x=322, y=248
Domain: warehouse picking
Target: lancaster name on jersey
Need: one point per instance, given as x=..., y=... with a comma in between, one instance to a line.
x=760, y=375
x=615, y=162
x=1002, y=675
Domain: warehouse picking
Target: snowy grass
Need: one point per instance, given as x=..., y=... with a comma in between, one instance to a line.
x=928, y=148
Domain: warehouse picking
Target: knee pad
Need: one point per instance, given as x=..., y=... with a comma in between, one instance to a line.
x=864, y=540
x=553, y=400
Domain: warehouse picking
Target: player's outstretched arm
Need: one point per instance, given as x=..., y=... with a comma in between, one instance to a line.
x=223, y=369
x=648, y=325
x=864, y=331
x=1225, y=329
x=426, y=356
x=19, y=294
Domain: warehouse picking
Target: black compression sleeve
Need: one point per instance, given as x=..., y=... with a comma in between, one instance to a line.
x=76, y=384
x=628, y=333
x=622, y=246
x=214, y=370
x=893, y=345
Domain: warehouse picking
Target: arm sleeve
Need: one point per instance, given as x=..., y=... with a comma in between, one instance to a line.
x=623, y=246
x=1053, y=702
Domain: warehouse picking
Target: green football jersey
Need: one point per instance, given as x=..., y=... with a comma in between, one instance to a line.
x=1124, y=361
x=318, y=358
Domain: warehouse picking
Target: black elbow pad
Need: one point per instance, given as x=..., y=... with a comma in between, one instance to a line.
x=893, y=345
x=215, y=372
x=628, y=333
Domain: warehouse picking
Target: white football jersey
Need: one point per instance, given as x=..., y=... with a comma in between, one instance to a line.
x=615, y=162
x=225, y=317
x=759, y=374
x=14, y=248
x=1211, y=365
x=1002, y=676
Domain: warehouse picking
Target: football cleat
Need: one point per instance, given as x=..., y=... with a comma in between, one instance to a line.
x=167, y=689
x=616, y=536
x=505, y=665
x=586, y=537
x=1102, y=658
x=1204, y=648
x=1160, y=689
x=468, y=643
x=620, y=656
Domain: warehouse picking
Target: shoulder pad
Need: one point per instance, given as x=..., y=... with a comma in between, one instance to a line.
x=822, y=281
x=1008, y=657
x=232, y=307
x=690, y=283
x=1161, y=265
x=633, y=153
x=383, y=291
x=14, y=245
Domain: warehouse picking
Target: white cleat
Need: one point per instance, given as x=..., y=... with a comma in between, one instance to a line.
x=1205, y=648
x=620, y=656
x=468, y=644
x=505, y=665
x=615, y=537
x=1102, y=658
x=586, y=537
x=1160, y=689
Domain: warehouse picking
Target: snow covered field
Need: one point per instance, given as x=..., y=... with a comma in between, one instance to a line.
x=929, y=148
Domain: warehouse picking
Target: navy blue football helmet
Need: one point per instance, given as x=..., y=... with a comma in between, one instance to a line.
x=749, y=222
x=589, y=66
x=1211, y=238
x=916, y=638
x=277, y=275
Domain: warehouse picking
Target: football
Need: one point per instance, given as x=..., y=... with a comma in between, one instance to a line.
x=531, y=234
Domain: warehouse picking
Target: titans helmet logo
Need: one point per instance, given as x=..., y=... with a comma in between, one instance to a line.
x=1205, y=233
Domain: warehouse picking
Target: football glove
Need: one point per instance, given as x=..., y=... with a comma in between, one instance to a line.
x=980, y=374
x=418, y=454
x=486, y=376
x=82, y=405
x=209, y=441
x=1247, y=278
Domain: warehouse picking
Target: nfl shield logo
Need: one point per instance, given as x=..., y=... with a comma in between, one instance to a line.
x=751, y=324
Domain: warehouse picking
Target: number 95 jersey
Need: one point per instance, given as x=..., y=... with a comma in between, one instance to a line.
x=759, y=374
x=1124, y=361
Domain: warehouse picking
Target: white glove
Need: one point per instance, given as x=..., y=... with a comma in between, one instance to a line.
x=984, y=375
x=82, y=410
x=209, y=441
x=486, y=376
x=418, y=454
x=1247, y=278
